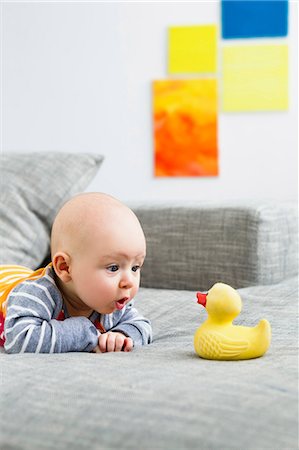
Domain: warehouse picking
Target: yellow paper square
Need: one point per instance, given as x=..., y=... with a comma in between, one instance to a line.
x=255, y=78
x=192, y=49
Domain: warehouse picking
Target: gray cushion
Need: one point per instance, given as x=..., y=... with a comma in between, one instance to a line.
x=32, y=189
x=162, y=396
x=192, y=247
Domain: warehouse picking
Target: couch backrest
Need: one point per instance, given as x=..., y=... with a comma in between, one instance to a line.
x=192, y=247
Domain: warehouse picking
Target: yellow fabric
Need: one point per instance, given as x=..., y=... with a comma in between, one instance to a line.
x=11, y=275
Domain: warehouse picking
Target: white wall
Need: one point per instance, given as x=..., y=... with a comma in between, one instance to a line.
x=77, y=77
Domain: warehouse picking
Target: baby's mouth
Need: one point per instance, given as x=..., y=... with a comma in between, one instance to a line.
x=121, y=303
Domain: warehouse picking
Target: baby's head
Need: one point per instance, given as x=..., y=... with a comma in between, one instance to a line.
x=97, y=250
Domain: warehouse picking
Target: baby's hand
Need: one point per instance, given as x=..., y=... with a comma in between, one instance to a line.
x=113, y=341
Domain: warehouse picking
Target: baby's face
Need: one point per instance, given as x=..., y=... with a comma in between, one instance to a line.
x=106, y=273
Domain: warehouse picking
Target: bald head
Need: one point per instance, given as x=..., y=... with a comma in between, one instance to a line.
x=82, y=218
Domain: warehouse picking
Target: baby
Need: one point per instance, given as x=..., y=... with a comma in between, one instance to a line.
x=83, y=300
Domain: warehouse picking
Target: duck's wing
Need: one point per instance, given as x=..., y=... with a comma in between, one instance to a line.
x=214, y=345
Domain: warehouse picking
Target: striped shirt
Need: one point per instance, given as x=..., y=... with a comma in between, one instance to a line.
x=10, y=276
x=32, y=304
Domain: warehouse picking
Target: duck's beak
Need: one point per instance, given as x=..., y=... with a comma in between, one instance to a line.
x=201, y=298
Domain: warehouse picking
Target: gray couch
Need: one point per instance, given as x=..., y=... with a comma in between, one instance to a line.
x=163, y=396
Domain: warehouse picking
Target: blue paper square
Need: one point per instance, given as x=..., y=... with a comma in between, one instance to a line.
x=252, y=19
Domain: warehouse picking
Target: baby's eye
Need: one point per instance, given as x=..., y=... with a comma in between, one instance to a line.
x=113, y=268
x=135, y=268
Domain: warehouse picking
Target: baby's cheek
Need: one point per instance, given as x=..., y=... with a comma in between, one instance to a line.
x=104, y=291
x=134, y=291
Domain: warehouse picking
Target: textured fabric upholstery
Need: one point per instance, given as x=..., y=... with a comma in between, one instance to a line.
x=162, y=396
x=192, y=247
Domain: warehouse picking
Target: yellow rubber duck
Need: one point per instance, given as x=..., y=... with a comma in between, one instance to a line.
x=218, y=338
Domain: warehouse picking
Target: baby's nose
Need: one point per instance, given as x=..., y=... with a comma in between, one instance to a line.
x=126, y=281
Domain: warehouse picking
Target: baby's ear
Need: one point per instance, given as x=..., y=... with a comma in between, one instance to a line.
x=61, y=265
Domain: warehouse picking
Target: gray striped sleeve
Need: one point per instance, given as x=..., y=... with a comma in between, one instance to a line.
x=132, y=324
x=31, y=325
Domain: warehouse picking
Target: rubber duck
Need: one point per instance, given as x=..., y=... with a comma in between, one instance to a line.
x=217, y=338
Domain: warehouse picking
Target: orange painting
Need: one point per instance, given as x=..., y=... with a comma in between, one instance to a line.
x=185, y=127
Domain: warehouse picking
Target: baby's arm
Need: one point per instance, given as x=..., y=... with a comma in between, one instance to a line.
x=133, y=325
x=30, y=325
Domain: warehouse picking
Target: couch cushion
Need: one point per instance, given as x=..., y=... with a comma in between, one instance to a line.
x=161, y=396
x=32, y=189
x=192, y=247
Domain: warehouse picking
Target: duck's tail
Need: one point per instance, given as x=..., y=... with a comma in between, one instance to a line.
x=263, y=329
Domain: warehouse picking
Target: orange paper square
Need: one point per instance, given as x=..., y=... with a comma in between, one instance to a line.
x=185, y=127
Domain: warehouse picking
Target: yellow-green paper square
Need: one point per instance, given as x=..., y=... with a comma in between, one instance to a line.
x=192, y=49
x=255, y=78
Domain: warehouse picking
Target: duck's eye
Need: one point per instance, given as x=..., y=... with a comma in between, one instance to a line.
x=113, y=268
